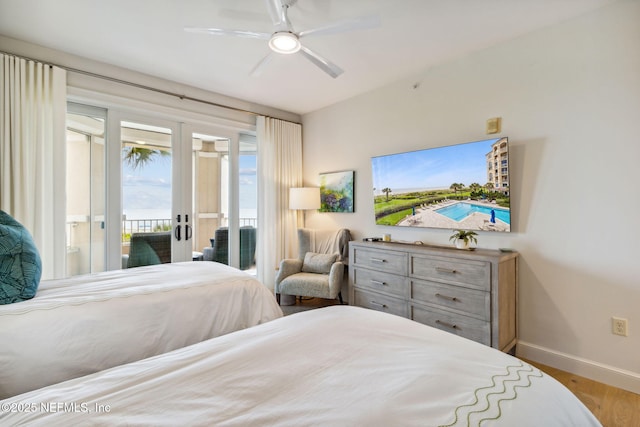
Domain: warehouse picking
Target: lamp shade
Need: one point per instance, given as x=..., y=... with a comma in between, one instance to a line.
x=304, y=198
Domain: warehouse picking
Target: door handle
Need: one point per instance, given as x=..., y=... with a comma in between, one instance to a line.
x=176, y=233
x=188, y=232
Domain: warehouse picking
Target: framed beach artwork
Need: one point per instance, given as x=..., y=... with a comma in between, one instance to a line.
x=336, y=191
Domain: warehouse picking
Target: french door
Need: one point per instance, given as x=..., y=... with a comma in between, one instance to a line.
x=224, y=194
x=133, y=179
x=155, y=223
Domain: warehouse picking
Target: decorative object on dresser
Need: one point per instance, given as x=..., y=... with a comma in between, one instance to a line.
x=463, y=238
x=469, y=293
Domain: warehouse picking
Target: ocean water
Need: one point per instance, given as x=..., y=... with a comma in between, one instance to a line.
x=147, y=214
x=134, y=214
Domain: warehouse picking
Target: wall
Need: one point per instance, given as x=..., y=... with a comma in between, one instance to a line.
x=569, y=97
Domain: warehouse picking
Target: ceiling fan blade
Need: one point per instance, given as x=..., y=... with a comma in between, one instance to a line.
x=362, y=23
x=235, y=33
x=274, y=7
x=324, y=64
x=260, y=66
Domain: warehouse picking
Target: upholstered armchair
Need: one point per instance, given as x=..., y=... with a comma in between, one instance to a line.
x=319, y=271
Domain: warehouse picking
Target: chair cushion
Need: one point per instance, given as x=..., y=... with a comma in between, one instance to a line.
x=307, y=284
x=20, y=263
x=143, y=255
x=318, y=263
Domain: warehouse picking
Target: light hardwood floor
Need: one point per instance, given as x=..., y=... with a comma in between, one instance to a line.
x=613, y=407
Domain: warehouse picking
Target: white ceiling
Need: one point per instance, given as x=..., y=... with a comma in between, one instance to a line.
x=147, y=36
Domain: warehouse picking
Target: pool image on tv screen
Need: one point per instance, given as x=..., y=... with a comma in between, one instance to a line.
x=462, y=186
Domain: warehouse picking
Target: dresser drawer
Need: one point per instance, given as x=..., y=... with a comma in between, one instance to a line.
x=467, y=327
x=471, y=302
x=392, y=262
x=379, y=281
x=376, y=301
x=476, y=274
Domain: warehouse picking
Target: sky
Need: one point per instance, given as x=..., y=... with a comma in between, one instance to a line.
x=432, y=168
x=149, y=187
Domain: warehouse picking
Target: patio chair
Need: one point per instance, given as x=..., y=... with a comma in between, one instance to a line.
x=220, y=244
x=149, y=249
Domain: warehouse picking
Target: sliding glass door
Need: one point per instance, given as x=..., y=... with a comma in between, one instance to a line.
x=85, y=189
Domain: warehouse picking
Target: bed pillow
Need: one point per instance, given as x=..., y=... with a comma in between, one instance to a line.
x=318, y=263
x=20, y=264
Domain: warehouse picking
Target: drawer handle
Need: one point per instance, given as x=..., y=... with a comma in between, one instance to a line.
x=377, y=282
x=447, y=297
x=378, y=260
x=448, y=325
x=377, y=304
x=446, y=270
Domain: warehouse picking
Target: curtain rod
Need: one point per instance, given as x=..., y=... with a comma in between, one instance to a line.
x=141, y=86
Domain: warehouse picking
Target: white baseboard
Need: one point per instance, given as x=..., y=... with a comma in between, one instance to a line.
x=610, y=375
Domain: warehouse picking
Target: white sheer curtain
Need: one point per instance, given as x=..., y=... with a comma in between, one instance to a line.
x=32, y=154
x=279, y=168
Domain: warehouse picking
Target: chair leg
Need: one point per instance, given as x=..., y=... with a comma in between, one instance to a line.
x=340, y=296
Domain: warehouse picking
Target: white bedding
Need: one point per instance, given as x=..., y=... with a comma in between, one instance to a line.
x=337, y=366
x=85, y=324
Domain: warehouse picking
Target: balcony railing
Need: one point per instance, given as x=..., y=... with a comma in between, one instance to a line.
x=163, y=224
x=145, y=225
x=249, y=221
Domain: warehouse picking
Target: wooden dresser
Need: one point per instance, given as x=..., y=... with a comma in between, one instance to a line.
x=470, y=293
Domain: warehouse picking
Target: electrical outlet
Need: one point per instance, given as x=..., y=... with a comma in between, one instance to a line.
x=619, y=326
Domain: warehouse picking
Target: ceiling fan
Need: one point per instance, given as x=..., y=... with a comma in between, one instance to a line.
x=284, y=40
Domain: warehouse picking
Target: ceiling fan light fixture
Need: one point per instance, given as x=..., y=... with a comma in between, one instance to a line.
x=284, y=42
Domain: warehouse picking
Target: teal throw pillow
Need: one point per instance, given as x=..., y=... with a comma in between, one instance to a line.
x=20, y=264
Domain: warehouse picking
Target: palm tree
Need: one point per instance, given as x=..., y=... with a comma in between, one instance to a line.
x=456, y=186
x=137, y=157
x=386, y=191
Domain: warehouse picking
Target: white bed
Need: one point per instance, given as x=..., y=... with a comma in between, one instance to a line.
x=337, y=366
x=84, y=324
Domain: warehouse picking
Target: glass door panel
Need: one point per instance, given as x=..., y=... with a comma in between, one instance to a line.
x=210, y=157
x=225, y=198
x=248, y=201
x=146, y=194
x=86, y=190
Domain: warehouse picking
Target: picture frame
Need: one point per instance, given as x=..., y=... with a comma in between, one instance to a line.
x=337, y=191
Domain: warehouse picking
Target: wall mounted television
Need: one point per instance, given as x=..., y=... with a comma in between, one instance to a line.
x=462, y=186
